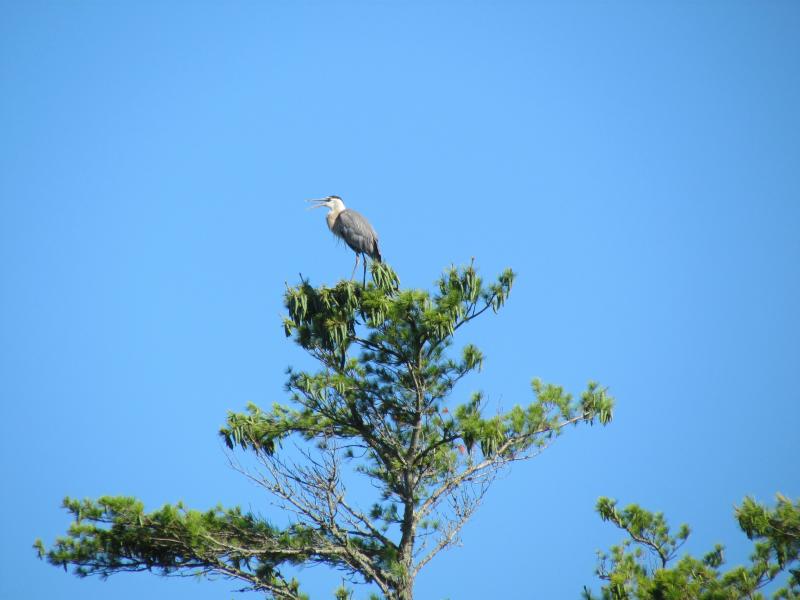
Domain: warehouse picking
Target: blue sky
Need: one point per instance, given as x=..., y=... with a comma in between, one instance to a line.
x=638, y=165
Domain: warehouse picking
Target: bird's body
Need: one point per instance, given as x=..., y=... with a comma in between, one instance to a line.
x=351, y=227
x=356, y=232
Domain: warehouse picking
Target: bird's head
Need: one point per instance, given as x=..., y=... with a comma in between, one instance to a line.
x=330, y=202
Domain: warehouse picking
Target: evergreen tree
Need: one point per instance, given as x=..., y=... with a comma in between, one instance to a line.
x=378, y=408
x=645, y=566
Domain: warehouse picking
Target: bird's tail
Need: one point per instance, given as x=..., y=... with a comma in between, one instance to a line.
x=376, y=255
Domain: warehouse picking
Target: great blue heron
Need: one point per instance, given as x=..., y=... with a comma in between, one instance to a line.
x=353, y=228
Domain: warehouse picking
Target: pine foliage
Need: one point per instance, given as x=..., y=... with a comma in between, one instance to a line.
x=646, y=567
x=379, y=405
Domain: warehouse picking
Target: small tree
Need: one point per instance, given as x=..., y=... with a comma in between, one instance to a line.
x=645, y=566
x=376, y=408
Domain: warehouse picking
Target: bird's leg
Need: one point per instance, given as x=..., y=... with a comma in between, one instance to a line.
x=353, y=274
x=364, y=281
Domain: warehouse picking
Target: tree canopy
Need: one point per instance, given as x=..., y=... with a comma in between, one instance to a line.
x=379, y=407
x=646, y=566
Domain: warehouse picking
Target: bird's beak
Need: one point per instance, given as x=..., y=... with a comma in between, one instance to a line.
x=320, y=203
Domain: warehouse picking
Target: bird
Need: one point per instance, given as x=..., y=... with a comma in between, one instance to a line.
x=353, y=228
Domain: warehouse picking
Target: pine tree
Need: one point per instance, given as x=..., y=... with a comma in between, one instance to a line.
x=379, y=408
x=646, y=565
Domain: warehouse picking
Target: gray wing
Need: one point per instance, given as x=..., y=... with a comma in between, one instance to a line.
x=357, y=233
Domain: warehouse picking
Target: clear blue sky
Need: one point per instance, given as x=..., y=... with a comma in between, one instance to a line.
x=637, y=163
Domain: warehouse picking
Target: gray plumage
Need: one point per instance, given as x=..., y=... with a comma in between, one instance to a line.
x=353, y=228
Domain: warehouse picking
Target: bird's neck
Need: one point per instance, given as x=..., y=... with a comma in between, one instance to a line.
x=333, y=214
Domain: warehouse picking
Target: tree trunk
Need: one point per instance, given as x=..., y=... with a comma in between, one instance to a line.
x=405, y=591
